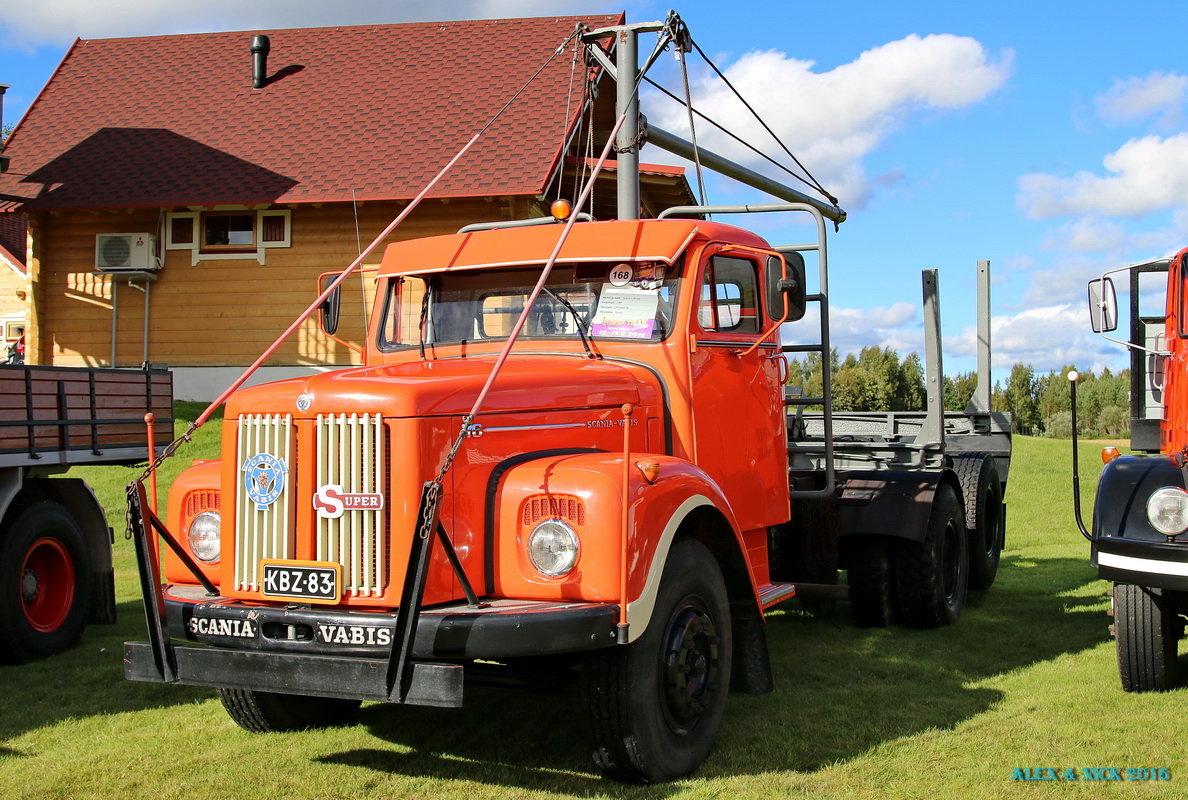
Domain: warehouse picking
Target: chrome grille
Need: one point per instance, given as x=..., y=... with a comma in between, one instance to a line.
x=351, y=452
x=349, y=467
x=264, y=525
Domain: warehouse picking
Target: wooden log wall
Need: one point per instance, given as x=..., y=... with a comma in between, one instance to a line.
x=216, y=313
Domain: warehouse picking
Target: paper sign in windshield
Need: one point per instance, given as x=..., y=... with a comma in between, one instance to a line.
x=626, y=313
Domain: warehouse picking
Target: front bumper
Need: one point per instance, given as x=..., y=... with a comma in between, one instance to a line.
x=297, y=649
x=1159, y=565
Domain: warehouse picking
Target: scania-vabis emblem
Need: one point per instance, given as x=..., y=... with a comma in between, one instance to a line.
x=264, y=477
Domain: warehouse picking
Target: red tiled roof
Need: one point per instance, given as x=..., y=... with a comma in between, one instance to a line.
x=174, y=120
x=12, y=238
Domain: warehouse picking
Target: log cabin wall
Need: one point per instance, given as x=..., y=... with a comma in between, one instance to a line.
x=217, y=313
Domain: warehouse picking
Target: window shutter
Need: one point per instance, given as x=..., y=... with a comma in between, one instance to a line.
x=272, y=228
x=182, y=230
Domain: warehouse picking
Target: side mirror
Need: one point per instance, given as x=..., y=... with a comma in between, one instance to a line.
x=328, y=310
x=791, y=289
x=1103, y=305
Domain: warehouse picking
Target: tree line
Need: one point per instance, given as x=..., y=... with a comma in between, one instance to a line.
x=876, y=379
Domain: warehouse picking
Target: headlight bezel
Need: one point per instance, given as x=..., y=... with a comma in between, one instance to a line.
x=561, y=545
x=1167, y=510
x=201, y=539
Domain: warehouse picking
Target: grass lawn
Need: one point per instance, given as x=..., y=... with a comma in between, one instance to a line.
x=1026, y=680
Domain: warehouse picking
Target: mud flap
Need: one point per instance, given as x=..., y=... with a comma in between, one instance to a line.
x=163, y=657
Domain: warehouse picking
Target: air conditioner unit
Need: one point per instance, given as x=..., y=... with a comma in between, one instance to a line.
x=126, y=252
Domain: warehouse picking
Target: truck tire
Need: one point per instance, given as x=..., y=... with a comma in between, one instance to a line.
x=932, y=575
x=45, y=583
x=266, y=712
x=1147, y=631
x=655, y=705
x=984, y=523
x=871, y=576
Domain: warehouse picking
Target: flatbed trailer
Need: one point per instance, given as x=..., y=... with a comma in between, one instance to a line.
x=55, y=544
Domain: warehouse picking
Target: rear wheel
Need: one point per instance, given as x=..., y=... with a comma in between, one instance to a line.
x=984, y=524
x=871, y=577
x=655, y=705
x=1147, y=629
x=265, y=712
x=45, y=583
x=932, y=575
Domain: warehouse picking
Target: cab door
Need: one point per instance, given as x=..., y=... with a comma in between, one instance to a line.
x=740, y=438
x=1174, y=429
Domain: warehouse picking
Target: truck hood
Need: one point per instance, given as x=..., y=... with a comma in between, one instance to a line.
x=450, y=387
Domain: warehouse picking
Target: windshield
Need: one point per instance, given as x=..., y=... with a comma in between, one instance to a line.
x=599, y=301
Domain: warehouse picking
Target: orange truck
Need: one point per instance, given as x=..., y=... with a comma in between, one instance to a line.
x=1140, y=512
x=569, y=456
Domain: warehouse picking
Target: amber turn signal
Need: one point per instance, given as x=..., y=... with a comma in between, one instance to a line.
x=1108, y=454
x=649, y=469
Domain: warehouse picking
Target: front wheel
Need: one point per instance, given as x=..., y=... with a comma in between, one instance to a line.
x=45, y=583
x=1147, y=629
x=655, y=705
x=266, y=712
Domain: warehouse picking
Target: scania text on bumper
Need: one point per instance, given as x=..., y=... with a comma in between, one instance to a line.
x=334, y=653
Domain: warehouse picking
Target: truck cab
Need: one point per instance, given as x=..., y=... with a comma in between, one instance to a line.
x=1140, y=512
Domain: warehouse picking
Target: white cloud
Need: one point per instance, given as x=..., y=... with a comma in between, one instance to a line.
x=852, y=109
x=1137, y=99
x=1087, y=234
x=1027, y=338
x=851, y=329
x=1148, y=174
x=58, y=21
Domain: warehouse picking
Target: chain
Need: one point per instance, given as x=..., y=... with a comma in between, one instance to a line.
x=432, y=498
x=637, y=141
x=434, y=488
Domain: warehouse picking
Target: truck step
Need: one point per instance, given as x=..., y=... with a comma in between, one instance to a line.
x=772, y=593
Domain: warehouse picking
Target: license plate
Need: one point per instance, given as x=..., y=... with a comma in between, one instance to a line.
x=316, y=582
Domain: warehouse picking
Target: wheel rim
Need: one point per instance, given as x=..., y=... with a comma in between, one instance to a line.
x=993, y=526
x=952, y=562
x=690, y=667
x=47, y=584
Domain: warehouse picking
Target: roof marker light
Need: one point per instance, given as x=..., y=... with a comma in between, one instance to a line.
x=560, y=210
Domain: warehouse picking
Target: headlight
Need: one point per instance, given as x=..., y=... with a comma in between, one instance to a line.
x=553, y=548
x=204, y=536
x=1167, y=510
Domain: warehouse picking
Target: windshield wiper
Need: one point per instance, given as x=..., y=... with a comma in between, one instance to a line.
x=581, y=327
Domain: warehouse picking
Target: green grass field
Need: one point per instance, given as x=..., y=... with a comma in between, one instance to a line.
x=1026, y=680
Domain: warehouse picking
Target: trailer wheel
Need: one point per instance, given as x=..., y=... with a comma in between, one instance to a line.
x=870, y=574
x=266, y=712
x=1147, y=631
x=984, y=522
x=655, y=705
x=932, y=575
x=45, y=583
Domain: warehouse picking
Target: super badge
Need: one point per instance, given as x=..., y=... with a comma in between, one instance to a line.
x=264, y=478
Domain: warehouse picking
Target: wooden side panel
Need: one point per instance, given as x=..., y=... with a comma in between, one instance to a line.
x=57, y=409
x=217, y=313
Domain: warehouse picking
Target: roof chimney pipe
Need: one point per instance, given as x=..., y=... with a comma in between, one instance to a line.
x=260, y=49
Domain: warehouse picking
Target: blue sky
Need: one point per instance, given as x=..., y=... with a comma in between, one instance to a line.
x=1050, y=138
